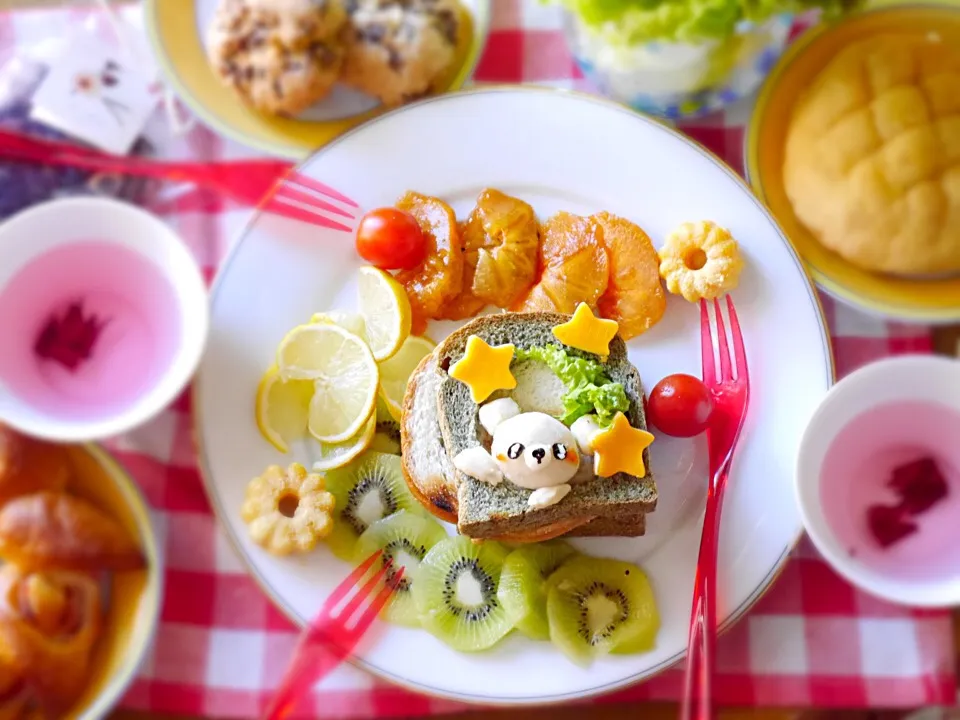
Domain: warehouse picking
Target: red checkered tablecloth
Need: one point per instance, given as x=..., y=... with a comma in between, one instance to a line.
x=811, y=641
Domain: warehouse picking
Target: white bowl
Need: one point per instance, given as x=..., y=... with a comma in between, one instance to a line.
x=132, y=271
x=879, y=417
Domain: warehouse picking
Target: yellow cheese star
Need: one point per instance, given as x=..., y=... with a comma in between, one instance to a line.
x=484, y=369
x=585, y=331
x=619, y=448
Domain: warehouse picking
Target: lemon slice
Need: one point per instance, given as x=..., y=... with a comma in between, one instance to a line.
x=351, y=322
x=395, y=372
x=305, y=353
x=385, y=308
x=345, y=378
x=334, y=455
x=282, y=408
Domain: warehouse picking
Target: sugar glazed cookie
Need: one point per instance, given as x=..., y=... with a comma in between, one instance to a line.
x=872, y=164
x=398, y=49
x=279, y=56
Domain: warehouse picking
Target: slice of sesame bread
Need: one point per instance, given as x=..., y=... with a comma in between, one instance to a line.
x=486, y=510
x=429, y=473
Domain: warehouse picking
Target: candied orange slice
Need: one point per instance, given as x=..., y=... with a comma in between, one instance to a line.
x=418, y=323
x=575, y=265
x=502, y=239
x=536, y=300
x=438, y=279
x=466, y=304
x=635, y=297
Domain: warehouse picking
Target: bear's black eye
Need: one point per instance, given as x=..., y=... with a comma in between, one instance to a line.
x=559, y=451
x=514, y=451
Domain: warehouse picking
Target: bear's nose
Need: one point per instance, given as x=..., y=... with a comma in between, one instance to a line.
x=539, y=454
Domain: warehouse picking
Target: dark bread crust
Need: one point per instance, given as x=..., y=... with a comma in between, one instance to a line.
x=486, y=510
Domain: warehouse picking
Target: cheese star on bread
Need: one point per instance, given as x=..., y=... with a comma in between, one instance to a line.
x=484, y=368
x=619, y=448
x=585, y=331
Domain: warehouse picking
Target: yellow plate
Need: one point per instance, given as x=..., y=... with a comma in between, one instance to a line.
x=174, y=31
x=931, y=301
x=133, y=603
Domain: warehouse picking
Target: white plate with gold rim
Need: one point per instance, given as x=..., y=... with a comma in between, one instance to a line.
x=558, y=151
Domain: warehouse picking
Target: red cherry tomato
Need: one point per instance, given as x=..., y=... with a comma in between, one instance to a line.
x=680, y=405
x=391, y=239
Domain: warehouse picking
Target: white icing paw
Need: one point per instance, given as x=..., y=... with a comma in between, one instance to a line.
x=584, y=429
x=545, y=497
x=478, y=463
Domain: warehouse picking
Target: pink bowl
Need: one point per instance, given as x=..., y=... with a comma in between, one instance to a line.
x=885, y=415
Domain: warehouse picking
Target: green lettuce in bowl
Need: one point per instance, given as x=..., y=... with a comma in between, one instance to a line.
x=683, y=58
x=628, y=22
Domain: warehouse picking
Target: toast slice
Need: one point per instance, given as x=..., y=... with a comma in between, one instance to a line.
x=613, y=526
x=486, y=510
x=426, y=466
x=429, y=473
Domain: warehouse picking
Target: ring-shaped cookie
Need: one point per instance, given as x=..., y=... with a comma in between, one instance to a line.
x=700, y=260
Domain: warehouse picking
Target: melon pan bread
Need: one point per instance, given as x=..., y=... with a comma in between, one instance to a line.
x=872, y=156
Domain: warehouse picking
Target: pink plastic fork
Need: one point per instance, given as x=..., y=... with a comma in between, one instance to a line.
x=731, y=394
x=333, y=634
x=272, y=185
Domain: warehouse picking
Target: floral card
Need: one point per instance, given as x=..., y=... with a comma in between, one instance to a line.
x=95, y=95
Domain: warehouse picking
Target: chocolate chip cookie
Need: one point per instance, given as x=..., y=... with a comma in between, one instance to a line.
x=397, y=50
x=279, y=56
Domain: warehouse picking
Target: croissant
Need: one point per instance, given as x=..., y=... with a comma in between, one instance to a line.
x=28, y=466
x=49, y=622
x=16, y=697
x=50, y=530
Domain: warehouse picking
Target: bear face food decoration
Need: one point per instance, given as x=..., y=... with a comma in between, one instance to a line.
x=532, y=450
x=535, y=450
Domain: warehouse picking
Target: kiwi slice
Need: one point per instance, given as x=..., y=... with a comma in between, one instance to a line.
x=523, y=584
x=387, y=438
x=456, y=593
x=383, y=412
x=596, y=606
x=383, y=441
x=405, y=539
x=367, y=489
